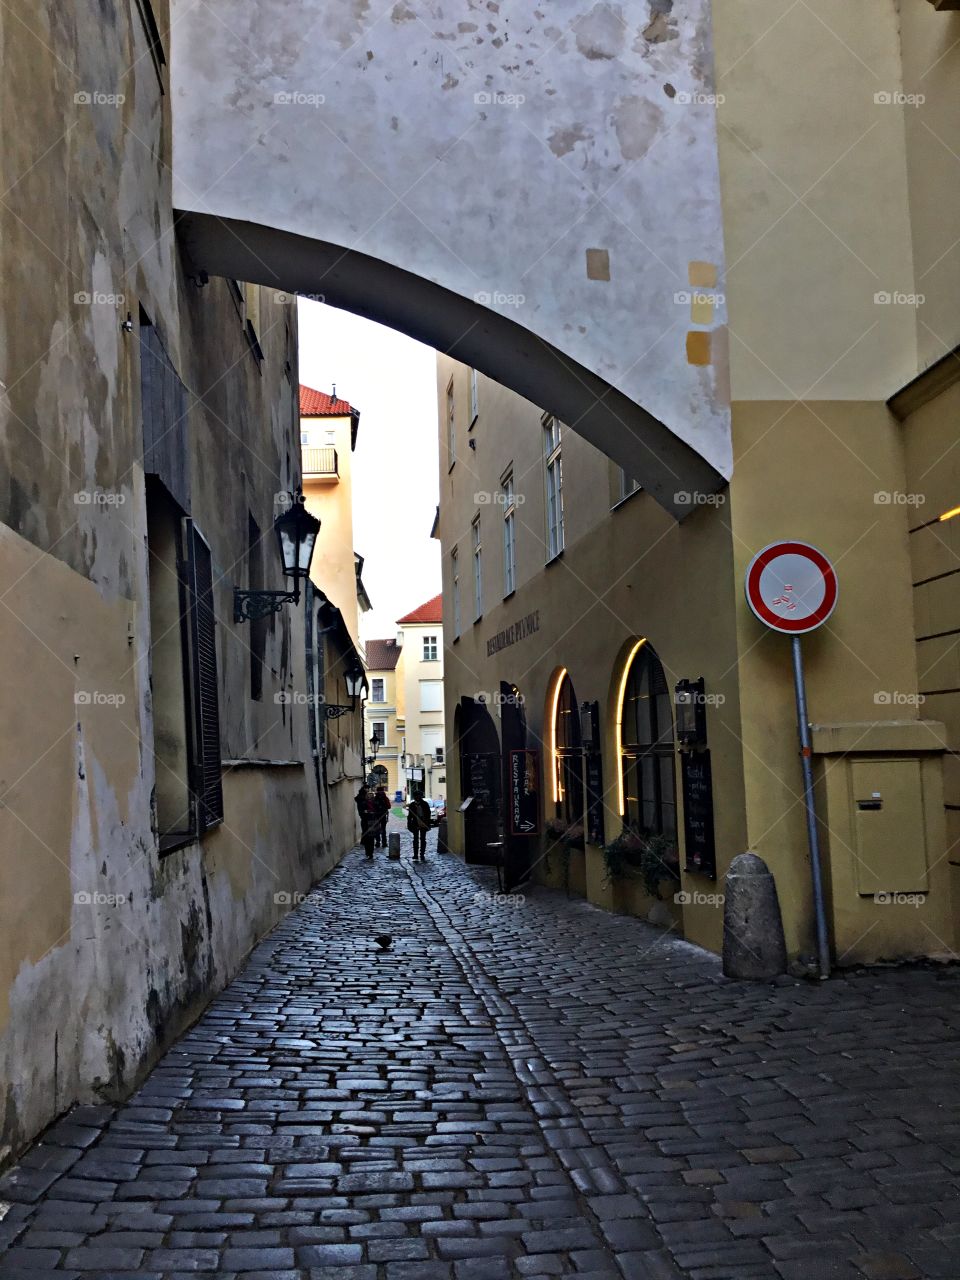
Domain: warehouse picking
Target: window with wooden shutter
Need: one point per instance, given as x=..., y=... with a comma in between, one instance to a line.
x=208, y=785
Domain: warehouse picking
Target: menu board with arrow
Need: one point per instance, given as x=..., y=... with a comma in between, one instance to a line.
x=524, y=793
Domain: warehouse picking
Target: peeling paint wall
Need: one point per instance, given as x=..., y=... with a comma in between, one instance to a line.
x=108, y=950
x=493, y=149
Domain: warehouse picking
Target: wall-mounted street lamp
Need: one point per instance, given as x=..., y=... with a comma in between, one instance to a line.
x=296, y=531
x=375, y=745
x=355, y=679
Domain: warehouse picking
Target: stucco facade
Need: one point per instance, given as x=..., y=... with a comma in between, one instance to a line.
x=839, y=337
x=628, y=574
x=407, y=671
x=137, y=398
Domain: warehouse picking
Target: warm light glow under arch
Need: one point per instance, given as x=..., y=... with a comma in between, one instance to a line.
x=621, y=693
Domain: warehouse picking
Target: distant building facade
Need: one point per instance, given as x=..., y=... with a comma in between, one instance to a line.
x=406, y=703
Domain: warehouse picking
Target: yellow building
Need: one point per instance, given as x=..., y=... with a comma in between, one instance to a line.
x=578, y=606
x=382, y=715
x=328, y=437
x=405, y=708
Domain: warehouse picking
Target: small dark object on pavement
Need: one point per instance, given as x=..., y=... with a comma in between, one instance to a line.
x=383, y=941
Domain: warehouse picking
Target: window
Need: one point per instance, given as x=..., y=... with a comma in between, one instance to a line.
x=430, y=650
x=431, y=695
x=474, y=398
x=183, y=675
x=627, y=484
x=477, y=571
x=377, y=690
x=509, y=535
x=451, y=426
x=568, y=753
x=455, y=575
x=379, y=731
x=648, y=800
x=438, y=755
x=554, y=485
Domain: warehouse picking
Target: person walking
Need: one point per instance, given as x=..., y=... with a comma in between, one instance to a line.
x=381, y=803
x=368, y=819
x=418, y=823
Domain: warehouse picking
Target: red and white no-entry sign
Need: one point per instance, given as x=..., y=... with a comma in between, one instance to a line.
x=791, y=586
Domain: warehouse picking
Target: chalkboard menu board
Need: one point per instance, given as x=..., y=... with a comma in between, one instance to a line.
x=698, y=812
x=594, y=778
x=482, y=770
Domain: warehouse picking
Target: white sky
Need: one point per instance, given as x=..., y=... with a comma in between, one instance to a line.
x=392, y=381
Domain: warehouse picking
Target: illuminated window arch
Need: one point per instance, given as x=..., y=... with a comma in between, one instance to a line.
x=567, y=751
x=648, y=789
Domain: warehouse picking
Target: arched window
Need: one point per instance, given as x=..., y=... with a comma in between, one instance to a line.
x=646, y=747
x=568, y=752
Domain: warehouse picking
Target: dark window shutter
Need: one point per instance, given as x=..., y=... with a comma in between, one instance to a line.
x=206, y=693
x=164, y=400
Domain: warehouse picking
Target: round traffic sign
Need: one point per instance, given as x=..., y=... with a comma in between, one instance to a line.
x=791, y=587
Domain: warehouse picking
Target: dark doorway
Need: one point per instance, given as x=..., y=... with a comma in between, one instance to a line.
x=517, y=854
x=480, y=784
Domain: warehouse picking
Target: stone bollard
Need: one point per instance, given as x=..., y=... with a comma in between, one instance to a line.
x=393, y=846
x=442, y=836
x=753, y=943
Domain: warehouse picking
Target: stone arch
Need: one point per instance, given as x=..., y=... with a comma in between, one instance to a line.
x=538, y=216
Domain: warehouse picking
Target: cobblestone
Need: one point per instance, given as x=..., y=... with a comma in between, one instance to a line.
x=530, y=1090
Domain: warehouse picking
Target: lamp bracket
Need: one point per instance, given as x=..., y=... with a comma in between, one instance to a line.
x=250, y=605
x=334, y=710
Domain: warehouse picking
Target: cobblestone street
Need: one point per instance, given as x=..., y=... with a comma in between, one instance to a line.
x=529, y=1089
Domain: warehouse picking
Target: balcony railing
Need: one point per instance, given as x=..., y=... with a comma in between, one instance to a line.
x=321, y=461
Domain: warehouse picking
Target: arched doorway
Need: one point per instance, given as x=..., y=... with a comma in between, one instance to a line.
x=567, y=752
x=646, y=785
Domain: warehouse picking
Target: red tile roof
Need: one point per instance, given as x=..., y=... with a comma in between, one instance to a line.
x=431, y=611
x=317, y=404
x=382, y=655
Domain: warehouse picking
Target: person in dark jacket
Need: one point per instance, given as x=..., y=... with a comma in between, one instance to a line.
x=369, y=819
x=418, y=823
x=381, y=802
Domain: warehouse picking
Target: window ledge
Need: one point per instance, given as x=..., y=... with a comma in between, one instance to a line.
x=510, y=594
x=175, y=840
x=251, y=762
x=620, y=502
x=554, y=559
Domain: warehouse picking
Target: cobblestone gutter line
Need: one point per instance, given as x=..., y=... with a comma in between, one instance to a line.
x=617, y=1216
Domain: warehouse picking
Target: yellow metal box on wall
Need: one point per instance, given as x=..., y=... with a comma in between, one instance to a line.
x=880, y=809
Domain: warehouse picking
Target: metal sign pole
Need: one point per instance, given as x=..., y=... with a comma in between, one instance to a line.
x=813, y=836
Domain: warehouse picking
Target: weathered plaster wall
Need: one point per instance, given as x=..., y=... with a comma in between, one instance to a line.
x=107, y=950
x=555, y=165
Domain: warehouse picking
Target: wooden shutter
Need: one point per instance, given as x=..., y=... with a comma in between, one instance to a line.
x=164, y=401
x=208, y=785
